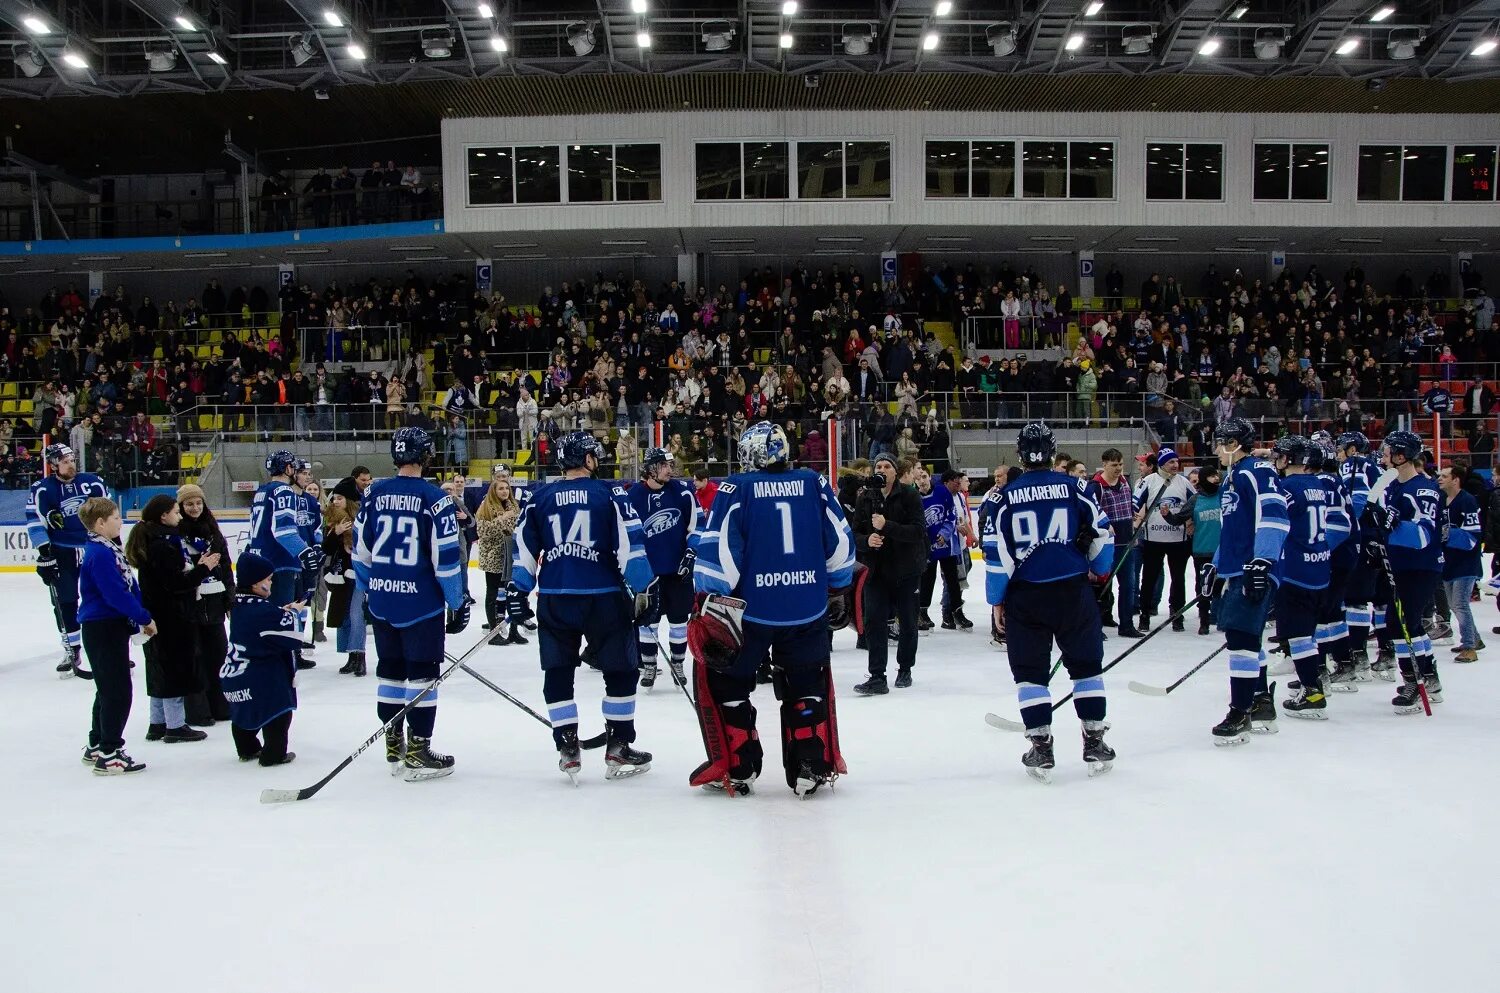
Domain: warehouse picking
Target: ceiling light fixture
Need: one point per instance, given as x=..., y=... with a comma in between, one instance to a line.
x=1138, y=38
x=499, y=44
x=1402, y=43
x=161, y=56
x=1092, y=10
x=1001, y=38
x=717, y=35
x=485, y=10
x=30, y=62
x=638, y=6
x=1382, y=13
x=333, y=18
x=857, y=38
x=930, y=41
x=75, y=60
x=943, y=8
x=787, y=40
x=1239, y=11
x=581, y=37
x=1268, y=42
x=302, y=49
x=438, y=43
x=185, y=23
x=1485, y=47
x=1346, y=46
x=355, y=51
x=1209, y=46
x=217, y=59
x=36, y=25
x=1074, y=42
x=643, y=39
x=789, y=8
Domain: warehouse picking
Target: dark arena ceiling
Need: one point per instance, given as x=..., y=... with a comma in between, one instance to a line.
x=137, y=80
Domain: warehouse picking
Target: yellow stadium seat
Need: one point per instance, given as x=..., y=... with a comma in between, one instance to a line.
x=8, y=390
x=26, y=406
x=215, y=336
x=7, y=407
x=523, y=457
x=187, y=460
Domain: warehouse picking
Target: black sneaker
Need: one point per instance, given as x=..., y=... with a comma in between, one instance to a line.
x=183, y=733
x=903, y=678
x=924, y=623
x=288, y=757
x=117, y=763
x=1129, y=632
x=1234, y=729
x=1179, y=624
x=304, y=662
x=948, y=623
x=1203, y=626
x=156, y=732
x=92, y=754
x=874, y=686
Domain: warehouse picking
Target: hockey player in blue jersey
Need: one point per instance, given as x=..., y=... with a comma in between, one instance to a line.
x=579, y=545
x=1359, y=471
x=775, y=550
x=1412, y=554
x=1253, y=529
x=1333, y=624
x=310, y=530
x=1316, y=524
x=274, y=531
x=59, y=538
x=407, y=560
x=1042, y=539
x=669, y=515
x=1462, y=566
x=260, y=673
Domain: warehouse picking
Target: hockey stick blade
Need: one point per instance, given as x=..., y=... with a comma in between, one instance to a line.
x=1136, y=687
x=279, y=796
x=1003, y=723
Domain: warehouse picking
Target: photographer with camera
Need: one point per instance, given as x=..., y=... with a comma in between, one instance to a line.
x=891, y=536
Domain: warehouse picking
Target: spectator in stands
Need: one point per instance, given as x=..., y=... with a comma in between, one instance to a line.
x=458, y=444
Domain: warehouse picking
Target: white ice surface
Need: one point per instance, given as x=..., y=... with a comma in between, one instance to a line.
x=1356, y=854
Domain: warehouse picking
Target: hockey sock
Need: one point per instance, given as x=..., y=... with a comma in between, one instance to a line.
x=677, y=640
x=1244, y=668
x=557, y=690
x=1422, y=648
x=619, y=705
x=1088, y=698
x=390, y=697
x=1261, y=686
x=645, y=637
x=421, y=718
x=1308, y=660
x=1035, y=701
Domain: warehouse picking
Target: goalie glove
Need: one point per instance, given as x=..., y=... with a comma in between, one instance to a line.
x=716, y=631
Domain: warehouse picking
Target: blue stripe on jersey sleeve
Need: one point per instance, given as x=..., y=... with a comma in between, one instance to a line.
x=446, y=553
x=1101, y=551
x=630, y=550
x=717, y=569
x=284, y=521
x=1410, y=534
x=1272, y=525
x=998, y=565
x=361, y=555
x=523, y=570
x=838, y=541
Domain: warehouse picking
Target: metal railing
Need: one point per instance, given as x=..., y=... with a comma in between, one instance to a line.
x=993, y=331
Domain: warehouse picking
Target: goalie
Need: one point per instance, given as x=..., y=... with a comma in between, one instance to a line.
x=776, y=554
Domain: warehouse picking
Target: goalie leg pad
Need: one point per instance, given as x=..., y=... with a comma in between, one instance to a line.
x=729, y=735
x=809, y=726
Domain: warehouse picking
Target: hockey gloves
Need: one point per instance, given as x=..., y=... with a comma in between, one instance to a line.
x=716, y=630
x=1257, y=582
x=645, y=601
x=311, y=558
x=1084, y=540
x=685, y=567
x=46, y=565
x=459, y=619
x=1208, y=579
x=840, y=607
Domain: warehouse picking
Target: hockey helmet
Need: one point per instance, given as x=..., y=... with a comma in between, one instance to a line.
x=1404, y=443
x=764, y=445
x=1035, y=445
x=411, y=446
x=1237, y=430
x=575, y=448
x=655, y=457
x=1357, y=439
x=280, y=462
x=1297, y=450
x=56, y=452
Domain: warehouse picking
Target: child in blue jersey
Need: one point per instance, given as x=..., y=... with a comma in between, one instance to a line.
x=579, y=544
x=1042, y=539
x=1252, y=530
x=1364, y=593
x=1315, y=526
x=109, y=612
x=775, y=550
x=407, y=562
x=940, y=512
x=59, y=538
x=259, y=676
x=275, y=533
x=1461, y=556
x=669, y=517
x=1412, y=556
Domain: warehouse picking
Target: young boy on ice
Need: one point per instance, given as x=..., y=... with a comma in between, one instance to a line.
x=259, y=677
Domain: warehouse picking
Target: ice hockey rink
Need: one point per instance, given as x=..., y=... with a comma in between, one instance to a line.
x=1355, y=854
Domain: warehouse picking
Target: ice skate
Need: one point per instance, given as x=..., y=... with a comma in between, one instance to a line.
x=679, y=678
x=1039, y=760
x=1098, y=756
x=924, y=623
x=1440, y=632
x=1434, y=688
x=1384, y=666
x=1263, y=712
x=395, y=750
x=1361, y=659
x=69, y=664
x=648, y=674
x=1408, y=699
x=809, y=781
x=422, y=763
x=1307, y=703
x=621, y=761
x=1234, y=729
x=569, y=757
x=964, y=624
x=1343, y=679
x=117, y=763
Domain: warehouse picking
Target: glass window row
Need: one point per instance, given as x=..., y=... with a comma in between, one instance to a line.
x=533, y=174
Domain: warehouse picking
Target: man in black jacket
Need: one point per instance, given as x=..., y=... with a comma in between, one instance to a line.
x=891, y=536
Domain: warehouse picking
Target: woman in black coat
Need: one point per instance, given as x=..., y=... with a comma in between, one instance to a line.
x=169, y=586
x=201, y=535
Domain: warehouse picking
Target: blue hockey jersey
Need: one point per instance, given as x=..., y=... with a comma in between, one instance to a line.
x=1340, y=523
x=274, y=534
x=310, y=519
x=780, y=542
x=670, y=518
x=1359, y=473
x=259, y=674
x=1031, y=528
x=406, y=551
x=1253, y=521
x=107, y=589
x=941, y=514
x=52, y=509
x=1414, y=544
x=1307, y=555
x=580, y=537
x=1461, y=557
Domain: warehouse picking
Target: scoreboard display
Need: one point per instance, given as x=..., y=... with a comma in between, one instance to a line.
x=1474, y=172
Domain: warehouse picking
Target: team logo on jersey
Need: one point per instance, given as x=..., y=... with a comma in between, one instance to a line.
x=662, y=521
x=934, y=516
x=71, y=505
x=1230, y=503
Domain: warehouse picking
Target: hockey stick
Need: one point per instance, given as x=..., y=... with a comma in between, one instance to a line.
x=1136, y=687
x=307, y=792
x=1006, y=724
x=594, y=742
x=682, y=685
x=1416, y=675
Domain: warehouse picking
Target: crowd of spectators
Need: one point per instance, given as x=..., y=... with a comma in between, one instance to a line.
x=615, y=356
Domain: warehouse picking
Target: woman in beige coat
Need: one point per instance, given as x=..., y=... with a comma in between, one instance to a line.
x=496, y=520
